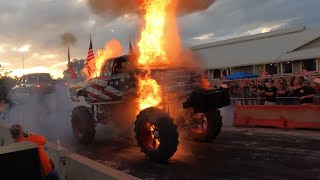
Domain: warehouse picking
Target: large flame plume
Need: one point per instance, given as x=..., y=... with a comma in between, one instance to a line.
x=151, y=48
x=152, y=51
x=112, y=48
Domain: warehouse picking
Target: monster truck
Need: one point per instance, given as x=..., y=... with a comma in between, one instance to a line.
x=185, y=107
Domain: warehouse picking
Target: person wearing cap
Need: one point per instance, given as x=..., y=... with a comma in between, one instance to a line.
x=271, y=93
x=19, y=135
x=306, y=93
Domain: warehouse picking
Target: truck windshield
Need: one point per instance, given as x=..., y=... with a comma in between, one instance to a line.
x=32, y=79
x=106, y=70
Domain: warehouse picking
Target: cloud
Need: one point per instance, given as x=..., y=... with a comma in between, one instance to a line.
x=24, y=48
x=2, y=50
x=5, y=64
x=40, y=24
x=204, y=37
x=229, y=17
x=55, y=72
x=60, y=64
x=43, y=56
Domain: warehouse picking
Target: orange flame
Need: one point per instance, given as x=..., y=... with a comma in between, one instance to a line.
x=151, y=48
x=205, y=83
x=149, y=93
x=112, y=49
x=152, y=51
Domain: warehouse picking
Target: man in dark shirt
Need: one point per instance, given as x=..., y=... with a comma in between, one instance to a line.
x=306, y=93
x=271, y=93
x=253, y=89
x=261, y=93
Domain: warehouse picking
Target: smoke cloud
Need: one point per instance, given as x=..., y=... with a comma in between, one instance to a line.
x=116, y=8
x=112, y=8
x=68, y=39
x=48, y=116
x=190, y=6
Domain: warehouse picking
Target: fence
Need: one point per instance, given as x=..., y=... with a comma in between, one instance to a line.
x=279, y=101
x=309, y=77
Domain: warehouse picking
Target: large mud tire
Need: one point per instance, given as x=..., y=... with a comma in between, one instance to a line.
x=165, y=129
x=212, y=130
x=83, y=125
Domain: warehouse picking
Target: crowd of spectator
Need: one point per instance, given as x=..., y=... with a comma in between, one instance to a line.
x=284, y=91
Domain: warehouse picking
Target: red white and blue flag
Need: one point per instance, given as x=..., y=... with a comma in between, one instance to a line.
x=90, y=58
x=70, y=69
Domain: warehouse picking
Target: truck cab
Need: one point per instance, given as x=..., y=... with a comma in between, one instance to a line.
x=112, y=85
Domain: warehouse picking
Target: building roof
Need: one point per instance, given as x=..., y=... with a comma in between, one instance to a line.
x=275, y=46
x=301, y=54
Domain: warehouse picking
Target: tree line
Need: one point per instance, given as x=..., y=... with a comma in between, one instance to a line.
x=6, y=83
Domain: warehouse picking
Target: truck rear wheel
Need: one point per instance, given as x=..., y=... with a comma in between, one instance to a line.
x=208, y=129
x=156, y=134
x=83, y=125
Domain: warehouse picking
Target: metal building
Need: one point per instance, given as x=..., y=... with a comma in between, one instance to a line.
x=282, y=52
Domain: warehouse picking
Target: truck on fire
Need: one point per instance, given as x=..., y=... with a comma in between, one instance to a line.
x=186, y=106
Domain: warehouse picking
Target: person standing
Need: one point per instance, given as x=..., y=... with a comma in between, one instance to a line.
x=19, y=135
x=316, y=85
x=306, y=93
x=271, y=93
x=282, y=94
x=261, y=94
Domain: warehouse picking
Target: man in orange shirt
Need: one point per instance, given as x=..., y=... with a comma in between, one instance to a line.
x=19, y=135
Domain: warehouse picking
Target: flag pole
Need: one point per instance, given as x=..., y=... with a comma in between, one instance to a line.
x=68, y=55
x=70, y=69
x=23, y=64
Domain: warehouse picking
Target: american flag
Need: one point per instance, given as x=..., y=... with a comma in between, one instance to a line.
x=70, y=69
x=90, y=57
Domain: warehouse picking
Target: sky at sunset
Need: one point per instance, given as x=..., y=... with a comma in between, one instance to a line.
x=34, y=29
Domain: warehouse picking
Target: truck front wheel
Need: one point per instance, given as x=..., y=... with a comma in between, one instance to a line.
x=83, y=125
x=156, y=134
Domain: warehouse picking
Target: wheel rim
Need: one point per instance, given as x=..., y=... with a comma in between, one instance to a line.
x=76, y=128
x=150, y=136
x=203, y=126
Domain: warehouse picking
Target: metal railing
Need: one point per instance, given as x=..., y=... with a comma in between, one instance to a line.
x=279, y=101
x=309, y=77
